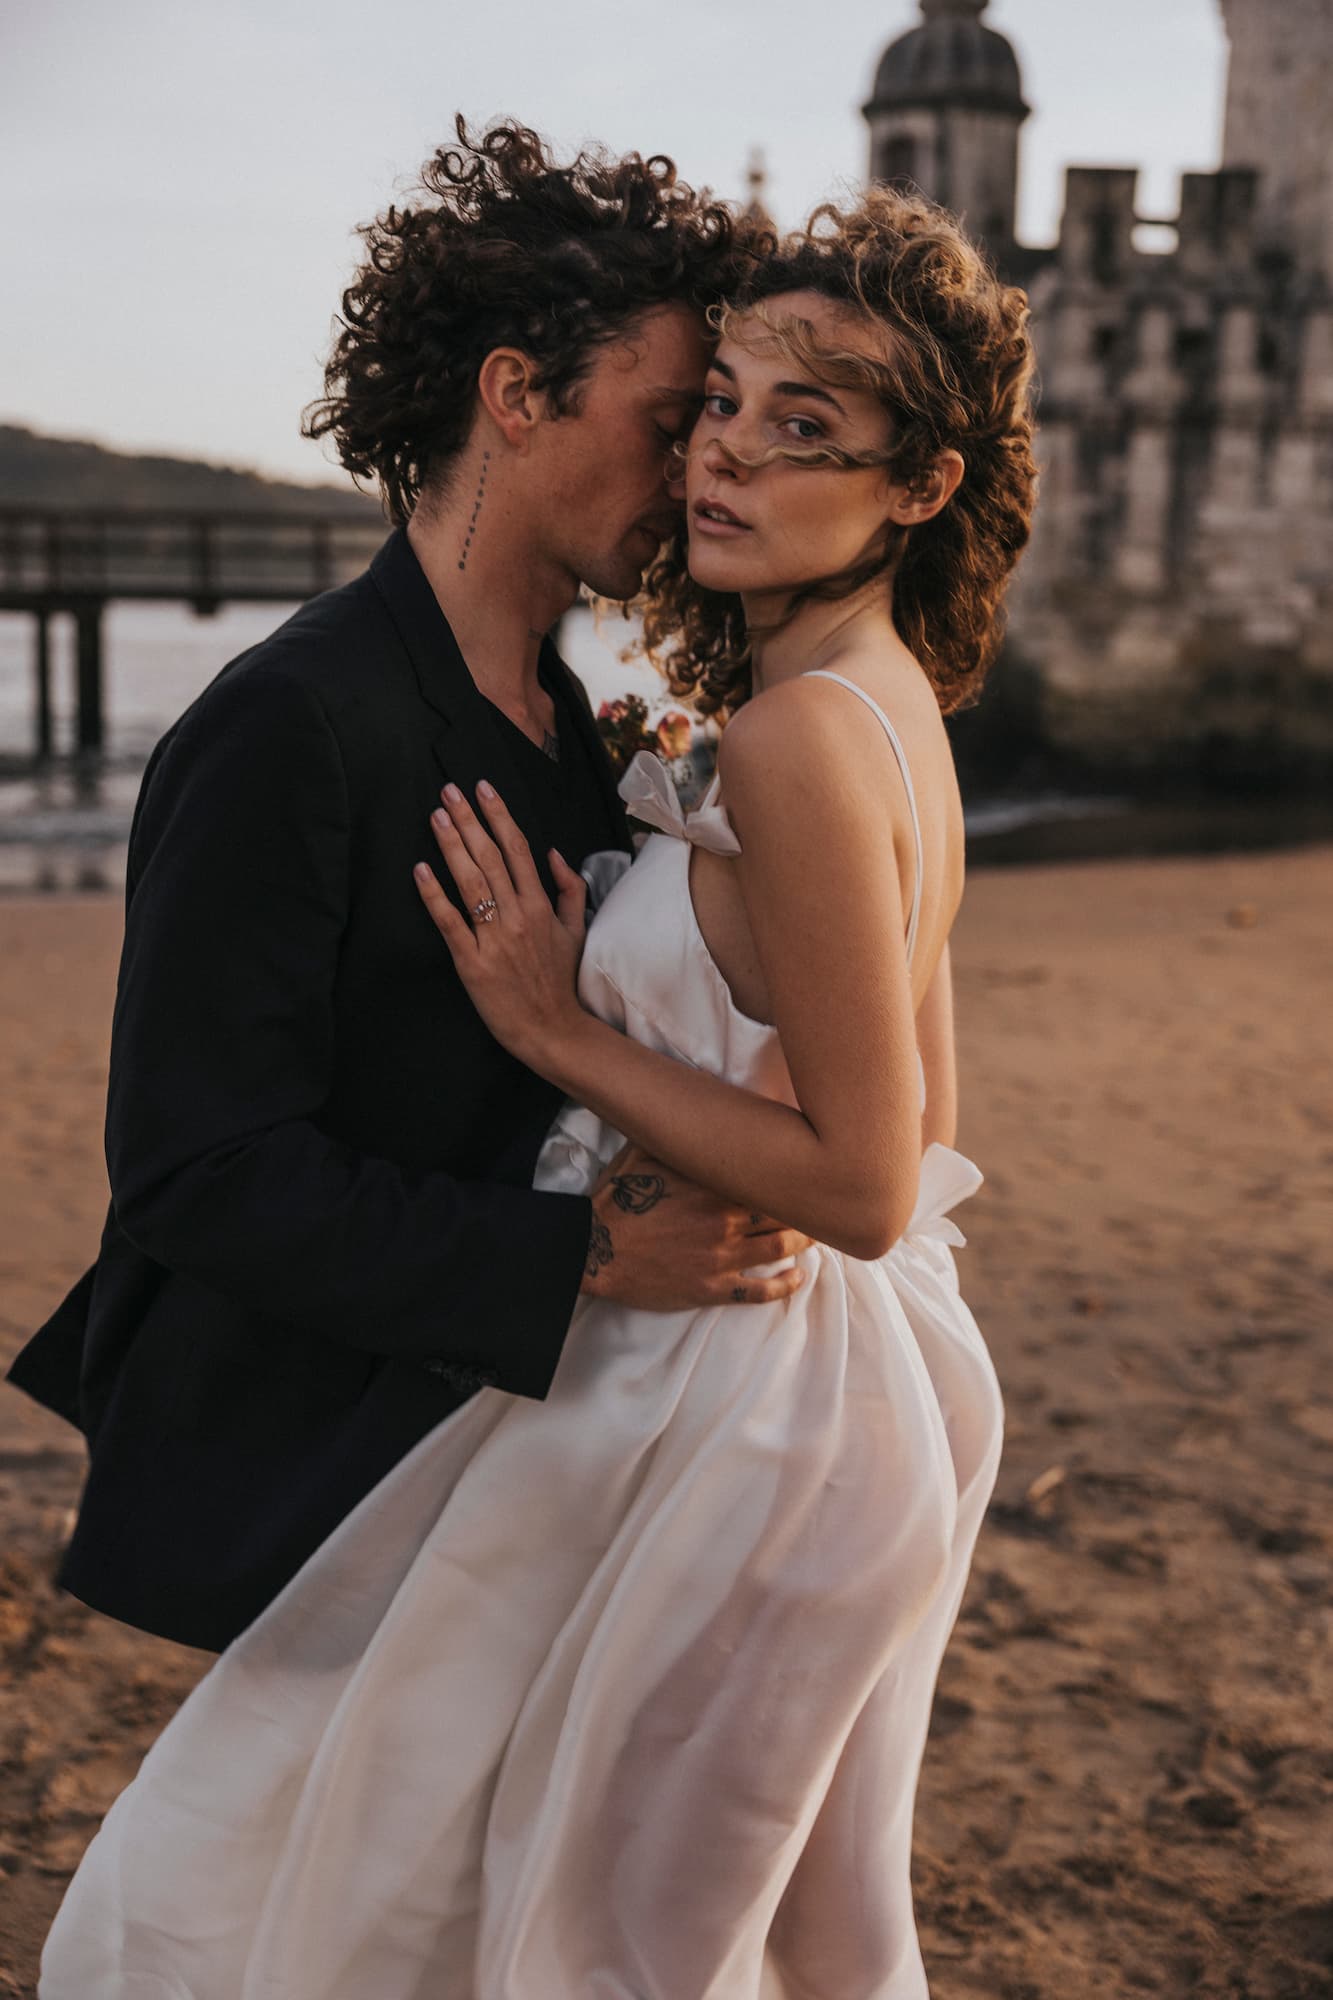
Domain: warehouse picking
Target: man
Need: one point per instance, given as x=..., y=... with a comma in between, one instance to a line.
x=323, y=1234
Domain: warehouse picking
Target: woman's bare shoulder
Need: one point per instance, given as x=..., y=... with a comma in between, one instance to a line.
x=787, y=750
x=806, y=722
x=809, y=767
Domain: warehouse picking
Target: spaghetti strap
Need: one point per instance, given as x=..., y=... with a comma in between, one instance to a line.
x=827, y=674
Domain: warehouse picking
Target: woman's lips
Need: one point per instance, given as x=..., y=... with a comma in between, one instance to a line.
x=710, y=517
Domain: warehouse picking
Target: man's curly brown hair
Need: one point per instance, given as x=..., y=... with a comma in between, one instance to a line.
x=958, y=376
x=506, y=248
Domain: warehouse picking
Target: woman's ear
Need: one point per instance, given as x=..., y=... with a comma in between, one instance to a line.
x=506, y=393
x=923, y=497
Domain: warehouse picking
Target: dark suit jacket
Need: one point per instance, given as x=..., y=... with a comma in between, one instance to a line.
x=322, y=1233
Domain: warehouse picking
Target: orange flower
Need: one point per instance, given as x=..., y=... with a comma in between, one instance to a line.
x=673, y=734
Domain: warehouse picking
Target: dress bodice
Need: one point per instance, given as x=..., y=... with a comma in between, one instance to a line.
x=646, y=966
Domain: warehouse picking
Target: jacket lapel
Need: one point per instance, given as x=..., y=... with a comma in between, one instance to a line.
x=576, y=712
x=467, y=743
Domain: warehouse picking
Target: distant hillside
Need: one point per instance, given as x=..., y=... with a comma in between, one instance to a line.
x=39, y=471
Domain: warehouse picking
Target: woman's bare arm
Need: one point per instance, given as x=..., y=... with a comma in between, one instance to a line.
x=934, y=1038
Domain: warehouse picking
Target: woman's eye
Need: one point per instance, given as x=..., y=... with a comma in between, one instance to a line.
x=806, y=428
x=714, y=405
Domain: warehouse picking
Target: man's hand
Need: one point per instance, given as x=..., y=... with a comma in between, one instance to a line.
x=664, y=1243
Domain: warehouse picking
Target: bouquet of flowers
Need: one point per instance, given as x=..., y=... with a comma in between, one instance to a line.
x=625, y=730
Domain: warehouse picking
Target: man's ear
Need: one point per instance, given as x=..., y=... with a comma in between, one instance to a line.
x=923, y=498
x=506, y=394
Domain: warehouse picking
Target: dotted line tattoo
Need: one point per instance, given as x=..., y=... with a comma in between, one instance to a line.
x=476, y=507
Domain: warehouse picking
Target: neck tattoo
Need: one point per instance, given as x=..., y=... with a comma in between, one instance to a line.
x=476, y=508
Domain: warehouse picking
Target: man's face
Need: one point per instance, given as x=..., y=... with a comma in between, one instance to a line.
x=601, y=472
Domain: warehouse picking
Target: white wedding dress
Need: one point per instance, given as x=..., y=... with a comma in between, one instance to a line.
x=617, y=1696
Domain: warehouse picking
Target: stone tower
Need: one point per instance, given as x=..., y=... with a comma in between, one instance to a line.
x=945, y=116
x=1279, y=97
x=1175, y=609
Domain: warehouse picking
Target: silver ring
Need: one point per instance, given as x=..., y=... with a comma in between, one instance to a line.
x=484, y=912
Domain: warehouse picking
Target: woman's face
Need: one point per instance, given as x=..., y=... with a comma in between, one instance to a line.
x=783, y=526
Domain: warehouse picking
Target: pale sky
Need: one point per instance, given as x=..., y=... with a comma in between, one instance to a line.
x=179, y=183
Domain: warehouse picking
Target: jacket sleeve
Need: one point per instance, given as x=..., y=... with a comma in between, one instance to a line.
x=222, y=1053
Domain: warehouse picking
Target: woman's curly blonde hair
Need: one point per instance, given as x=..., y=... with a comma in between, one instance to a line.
x=958, y=377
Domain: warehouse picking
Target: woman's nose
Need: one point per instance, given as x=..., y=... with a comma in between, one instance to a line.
x=719, y=461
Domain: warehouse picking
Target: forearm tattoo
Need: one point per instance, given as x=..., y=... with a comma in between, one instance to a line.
x=600, y=1250
x=637, y=1193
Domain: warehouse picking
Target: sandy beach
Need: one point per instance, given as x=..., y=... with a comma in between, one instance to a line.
x=1130, y=1777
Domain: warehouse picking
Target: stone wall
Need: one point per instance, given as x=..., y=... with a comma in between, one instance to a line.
x=1177, y=603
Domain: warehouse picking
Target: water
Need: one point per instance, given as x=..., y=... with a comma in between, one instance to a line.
x=65, y=830
x=62, y=830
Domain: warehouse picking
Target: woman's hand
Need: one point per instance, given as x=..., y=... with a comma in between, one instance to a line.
x=517, y=957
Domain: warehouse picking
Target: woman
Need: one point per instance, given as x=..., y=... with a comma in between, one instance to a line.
x=625, y=1693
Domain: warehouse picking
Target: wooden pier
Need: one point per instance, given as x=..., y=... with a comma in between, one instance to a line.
x=54, y=562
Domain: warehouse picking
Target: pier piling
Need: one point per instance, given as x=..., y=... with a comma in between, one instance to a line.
x=43, y=723
x=90, y=729
x=56, y=561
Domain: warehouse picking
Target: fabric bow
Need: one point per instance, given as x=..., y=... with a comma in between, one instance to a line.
x=650, y=796
x=946, y=1179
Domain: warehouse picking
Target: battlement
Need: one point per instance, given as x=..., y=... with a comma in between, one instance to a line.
x=1215, y=229
x=1097, y=228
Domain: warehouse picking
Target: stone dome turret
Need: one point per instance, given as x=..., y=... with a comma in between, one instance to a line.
x=950, y=59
